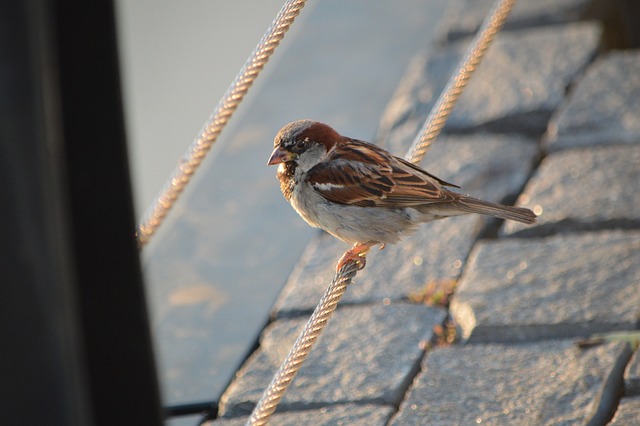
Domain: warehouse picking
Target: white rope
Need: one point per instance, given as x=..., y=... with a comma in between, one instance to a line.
x=302, y=346
x=329, y=301
x=447, y=100
x=221, y=115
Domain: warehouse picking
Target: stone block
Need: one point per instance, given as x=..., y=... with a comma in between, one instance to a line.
x=560, y=286
x=628, y=412
x=604, y=106
x=367, y=354
x=545, y=383
x=583, y=190
x=520, y=82
x=464, y=17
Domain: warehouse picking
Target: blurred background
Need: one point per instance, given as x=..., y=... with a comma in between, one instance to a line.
x=177, y=60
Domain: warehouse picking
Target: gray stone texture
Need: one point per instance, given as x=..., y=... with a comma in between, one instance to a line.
x=545, y=383
x=561, y=286
x=632, y=376
x=604, y=106
x=628, y=412
x=583, y=190
x=336, y=415
x=493, y=167
x=464, y=17
x=518, y=85
x=367, y=354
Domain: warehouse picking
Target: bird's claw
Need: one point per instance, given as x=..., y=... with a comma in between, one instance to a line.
x=356, y=254
x=359, y=260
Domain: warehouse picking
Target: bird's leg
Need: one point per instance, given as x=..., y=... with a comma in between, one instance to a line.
x=357, y=254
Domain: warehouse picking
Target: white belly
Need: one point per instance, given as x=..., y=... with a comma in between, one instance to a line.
x=353, y=224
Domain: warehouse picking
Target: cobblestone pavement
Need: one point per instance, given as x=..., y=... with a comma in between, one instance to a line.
x=550, y=121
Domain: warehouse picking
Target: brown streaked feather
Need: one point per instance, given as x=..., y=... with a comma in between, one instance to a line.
x=421, y=171
x=474, y=205
x=285, y=177
x=397, y=184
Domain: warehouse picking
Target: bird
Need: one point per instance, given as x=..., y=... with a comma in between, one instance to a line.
x=363, y=194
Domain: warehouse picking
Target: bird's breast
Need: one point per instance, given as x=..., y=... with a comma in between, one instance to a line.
x=285, y=175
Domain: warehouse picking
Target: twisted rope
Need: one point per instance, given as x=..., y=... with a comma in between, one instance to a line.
x=329, y=301
x=219, y=118
x=452, y=91
x=301, y=348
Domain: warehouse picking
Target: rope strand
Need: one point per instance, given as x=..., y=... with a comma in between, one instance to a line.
x=452, y=91
x=221, y=115
x=301, y=348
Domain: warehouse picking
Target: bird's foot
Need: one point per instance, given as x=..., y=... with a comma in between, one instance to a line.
x=356, y=254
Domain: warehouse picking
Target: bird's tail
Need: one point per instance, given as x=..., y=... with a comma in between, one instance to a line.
x=474, y=205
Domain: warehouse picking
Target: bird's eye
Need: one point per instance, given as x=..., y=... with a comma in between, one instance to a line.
x=301, y=143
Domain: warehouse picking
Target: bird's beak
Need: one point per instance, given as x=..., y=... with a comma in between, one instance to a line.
x=280, y=155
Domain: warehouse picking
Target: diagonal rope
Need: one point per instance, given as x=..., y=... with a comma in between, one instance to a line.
x=302, y=346
x=452, y=91
x=329, y=301
x=219, y=118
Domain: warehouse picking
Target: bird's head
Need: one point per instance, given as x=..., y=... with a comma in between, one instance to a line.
x=304, y=143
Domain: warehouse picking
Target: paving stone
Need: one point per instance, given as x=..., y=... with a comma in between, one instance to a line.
x=367, y=354
x=335, y=415
x=560, y=286
x=583, y=189
x=628, y=412
x=604, y=106
x=493, y=167
x=463, y=18
x=546, y=383
x=632, y=376
x=520, y=82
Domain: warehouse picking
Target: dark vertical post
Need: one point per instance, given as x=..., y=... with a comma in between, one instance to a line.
x=76, y=347
x=42, y=374
x=115, y=327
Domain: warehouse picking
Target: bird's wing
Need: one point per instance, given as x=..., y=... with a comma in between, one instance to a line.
x=362, y=174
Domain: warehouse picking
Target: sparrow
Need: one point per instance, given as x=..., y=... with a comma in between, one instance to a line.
x=362, y=194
